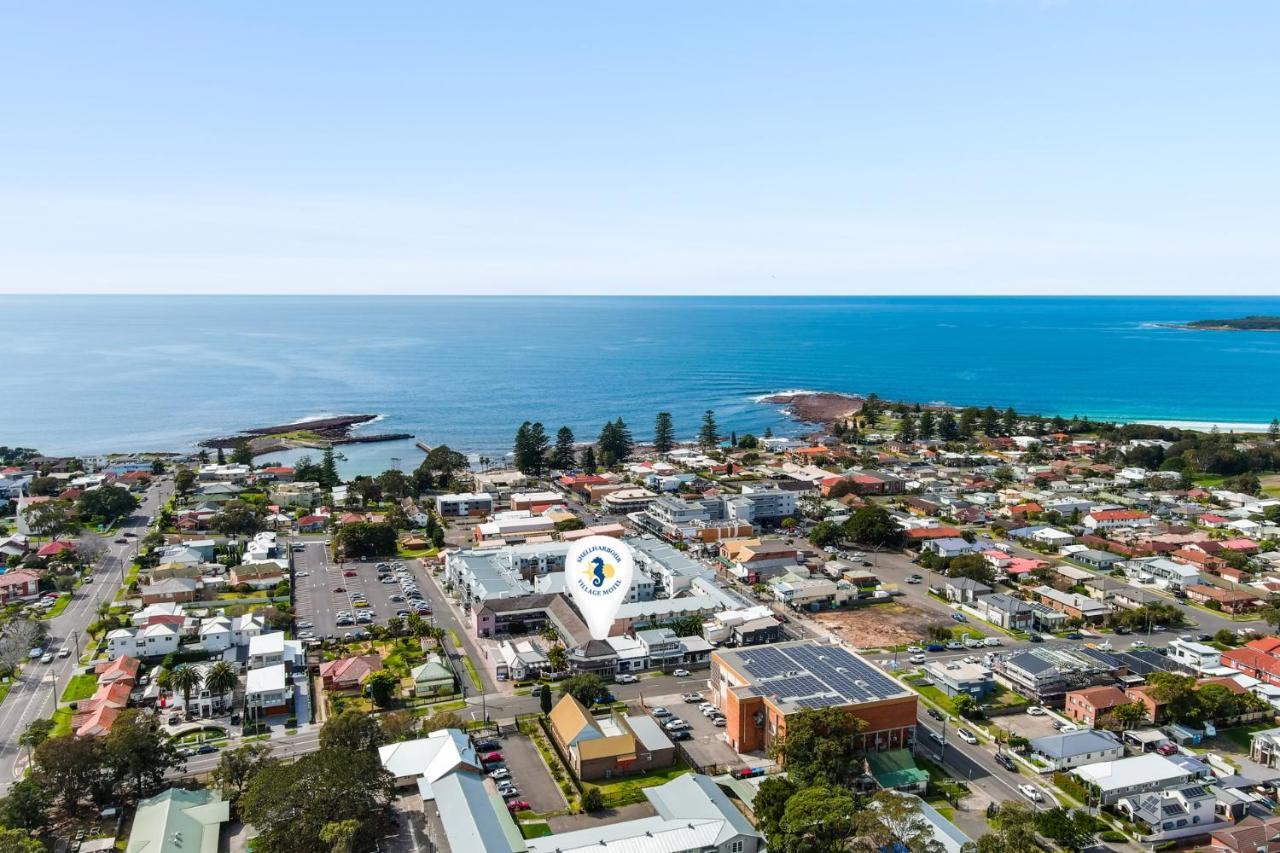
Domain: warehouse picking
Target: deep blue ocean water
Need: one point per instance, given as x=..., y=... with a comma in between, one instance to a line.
x=91, y=374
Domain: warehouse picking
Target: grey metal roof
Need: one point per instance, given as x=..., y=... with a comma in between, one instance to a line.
x=1075, y=743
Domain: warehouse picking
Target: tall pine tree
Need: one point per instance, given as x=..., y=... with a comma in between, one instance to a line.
x=708, y=433
x=664, y=434
x=562, y=456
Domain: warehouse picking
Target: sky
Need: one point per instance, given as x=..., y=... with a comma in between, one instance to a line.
x=904, y=146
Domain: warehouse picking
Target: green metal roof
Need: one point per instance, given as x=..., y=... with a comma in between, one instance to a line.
x=895, y=768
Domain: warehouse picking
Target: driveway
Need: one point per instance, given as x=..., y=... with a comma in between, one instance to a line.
x=323, y=588
x=707, y=746
x=530, y=774
x=1028, y=726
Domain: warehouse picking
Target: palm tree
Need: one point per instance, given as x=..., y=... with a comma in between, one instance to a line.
x=221, y=679
x=185, y=678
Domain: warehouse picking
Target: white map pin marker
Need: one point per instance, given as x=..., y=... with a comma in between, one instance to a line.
x=598, y=572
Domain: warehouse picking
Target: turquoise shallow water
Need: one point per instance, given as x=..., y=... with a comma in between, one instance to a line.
x=121, y=373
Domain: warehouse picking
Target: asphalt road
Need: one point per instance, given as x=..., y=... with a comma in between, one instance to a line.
x=35, y=691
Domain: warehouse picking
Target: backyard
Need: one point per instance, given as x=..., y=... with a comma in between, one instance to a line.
x=630, y=789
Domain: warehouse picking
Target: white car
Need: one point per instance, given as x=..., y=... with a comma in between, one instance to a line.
x=937, y=738
x=967, y=736
x=1032, y=793
x=918, y=659
x=991, y=641
x=660, y=712
x=1036, y=711
x=680, y=673
x=625, y=678
x=915, y=650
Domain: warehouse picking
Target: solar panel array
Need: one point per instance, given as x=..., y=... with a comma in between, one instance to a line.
x=815, y=676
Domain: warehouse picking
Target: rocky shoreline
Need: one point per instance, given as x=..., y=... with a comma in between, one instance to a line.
x=817, y=407
x=317, y=433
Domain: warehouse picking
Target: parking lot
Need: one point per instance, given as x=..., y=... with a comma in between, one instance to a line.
x=530, y=774
x=332, y=600
x=1028, y=726
x=707, y=745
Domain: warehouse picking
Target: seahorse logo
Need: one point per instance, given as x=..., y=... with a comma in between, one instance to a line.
x=599, y=572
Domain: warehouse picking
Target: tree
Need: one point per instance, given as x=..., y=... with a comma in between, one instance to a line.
x=26, y=806
x=1015, y=831
x=968, y=422
x=826, y=533
x=90, y=548
x=1273, y=430
x=18, y=637
x=592, y=799
x=926, y=427
x=588, y=688
x=381, y=687
x=237, y=767
x=990, y=422
x=106, y=502
x=906, y=428
x=748, y=442
x=817, y=819
x=340, y=835
x=822, y=746
x=562, y=455
x=50, y=518
x=771, y=803
x=69, y=767
x=1129, y=715
x=1009, y=421
x=242, y=454
x=443, y=461
x=185, y=679
x=531, y=448
x=544, y=701
x=892, y=819
x=1176, y=693
x=615, y=443
x=17, y=841
x=872, y=525
x=291, y=805
x=973, y=566
x=221, y=679
x=36, y=733
x=965, y=705
x=708, y=433
x=1073, y=829
x=351, y=731
x=395, y=484
x=397, y=726
x=442, y=720
x=364, y=539
x=587, y=461
x=664, y=434
x=44, y=487
x=136, y=754
x=238, y=518
x=328, y=470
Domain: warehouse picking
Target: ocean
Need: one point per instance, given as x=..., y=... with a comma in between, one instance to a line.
x=120, y=373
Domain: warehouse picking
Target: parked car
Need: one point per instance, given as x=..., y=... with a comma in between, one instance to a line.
x=680, y=673
x=1074, y=635
x=1031, y=792
x=914, y=579
x=350, y=574
x=959, y=617
x=915, y=650
x=954, y=646
x=917, y=659
x=935, y=647
x=518, y=805
x=967, y=736
x=207, y=749
x=675, y=725
x=1006, y=762
x=500, y=773
x=660, y=712
x=625, y=678
x=719, y=720
x=486, y=745
x=1036, y=711
x=937, y=738
x=991, y=641
x=935, y=713
x=1167, y=748
x=490, y=757
x=692, y=697
x=747, y=772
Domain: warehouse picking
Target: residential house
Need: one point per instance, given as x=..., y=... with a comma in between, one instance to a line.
x=966, y=590
x=155, y=640
x=1228, y=600
x=1100, y=560
x=608, y=747
x=1252, y=835
x=1109, y=519
x=1162, y=573
x=433, y=678
x=429, y=758
x=179, y=821
x=1173, y=812
x=1076, y=606
x=18, y=585
x=267, y=690
x=1075, y=749
x=1197, y=657
x=268, y=650
x=951, y=547
x=348, y=673
x=1264, y=748
x=1128, y=777
x=1089, y=705
x=520, y=661
x=173, y=589
x=1012, y=614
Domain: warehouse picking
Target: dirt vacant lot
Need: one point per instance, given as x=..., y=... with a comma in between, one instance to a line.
x=880, y=626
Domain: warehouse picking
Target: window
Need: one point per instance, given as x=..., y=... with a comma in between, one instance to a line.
x=736, y=847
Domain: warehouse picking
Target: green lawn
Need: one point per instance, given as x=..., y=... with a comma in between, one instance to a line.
x=416, y=553
x=535, y=829
x=80, y=686
x=58, y=606
x=1241, y=737
x=4, y=689
x=471, y=672
x=61, y=722
x=622, y=792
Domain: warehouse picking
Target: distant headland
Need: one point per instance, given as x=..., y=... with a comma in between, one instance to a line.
x=1252, y=323
x=318, y=433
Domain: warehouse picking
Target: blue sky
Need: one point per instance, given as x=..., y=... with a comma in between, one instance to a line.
x=953, y=146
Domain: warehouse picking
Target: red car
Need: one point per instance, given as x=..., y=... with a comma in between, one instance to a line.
x=518, y=805
x=1167, y=748
x=490, y=758
x=349, y=574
